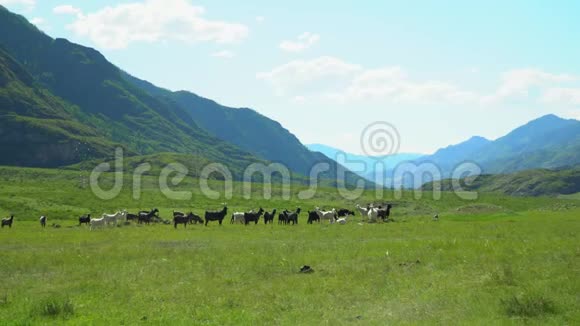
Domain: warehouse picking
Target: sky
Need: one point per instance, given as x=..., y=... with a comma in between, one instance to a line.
x=438, y=72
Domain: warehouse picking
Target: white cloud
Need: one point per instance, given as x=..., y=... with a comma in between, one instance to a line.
x=574, y=114
x=299, y=75
x=67, y=10
x=27, y=4
x=332, y=78
x=37, y=21
x=563, y=95
x=303, y=42
x=225, y=54
x=115, y=27
x=299, y=99
x=393, y=84
x=40, y=23
x=473, y=70
x=518, y=82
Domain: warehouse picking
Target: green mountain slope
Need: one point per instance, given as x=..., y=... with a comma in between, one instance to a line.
x=539, y=182
x=38, y=128
x=247, y=129
x=547, y=142
x=106, y=105
x=146, y=119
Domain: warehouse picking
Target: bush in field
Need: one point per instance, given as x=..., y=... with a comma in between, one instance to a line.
x=54, y=307
x=528, y=306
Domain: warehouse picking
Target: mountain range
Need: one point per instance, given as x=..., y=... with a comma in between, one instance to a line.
x=549, y=142
x=536, y=182
x=62, y=103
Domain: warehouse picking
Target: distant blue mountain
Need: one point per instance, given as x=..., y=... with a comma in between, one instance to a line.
x=353, y=160
x=549, y=142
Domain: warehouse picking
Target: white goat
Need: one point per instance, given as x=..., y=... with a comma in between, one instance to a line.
x=341, y=220
x=326, y=215
x=97, y=222
x=364, y=211
x=115, y=218
x=238, y=217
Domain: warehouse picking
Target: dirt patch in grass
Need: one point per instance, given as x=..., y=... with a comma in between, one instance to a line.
x=479, y=209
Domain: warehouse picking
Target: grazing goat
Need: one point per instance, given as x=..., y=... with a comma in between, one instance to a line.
x=292, y=216
x=253, y=217
x=326, y=215
x=382, y=213
x=364, y=211
x=373, y=214
x=43, y=221
x=181, y=219
x=312, y=217
x=8, y=221
x=344, y=212
x=282, y=217
x=97, y=222
x=238, y=217
x=385, y=213
x=132, y=217
x=341, y=220
x=119, y=216
x=216, y=216
x=145, y=217
x=178, y=214
x=194, y=218
x=269, y=217
x=85, y=220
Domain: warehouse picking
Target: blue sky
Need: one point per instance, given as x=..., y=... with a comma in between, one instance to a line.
x=439, y=71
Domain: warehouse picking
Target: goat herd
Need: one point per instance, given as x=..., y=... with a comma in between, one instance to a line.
x=369, y=213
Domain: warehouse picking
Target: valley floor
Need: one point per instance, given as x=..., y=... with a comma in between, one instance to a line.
x=499, y=260
x=492, y=270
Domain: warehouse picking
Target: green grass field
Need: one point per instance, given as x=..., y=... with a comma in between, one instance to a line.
x=497, y=260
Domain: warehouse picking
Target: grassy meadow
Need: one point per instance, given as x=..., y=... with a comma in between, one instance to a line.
x=496, y=260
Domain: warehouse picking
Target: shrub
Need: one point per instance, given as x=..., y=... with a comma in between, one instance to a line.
x=529, y=306
x=54, y=308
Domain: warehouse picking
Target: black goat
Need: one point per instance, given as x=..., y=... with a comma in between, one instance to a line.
x=292, y=216
x=181, y=219
x=216, y=216
x=178, y=214
x=8, y=221
x=194, y=218
x=253, y=217
x=283, y=217
x=313, y=217
x=85, y=220
x=132, y=217
x=43, y=221
x=146, y=217
x=269, y=217
x=385, y=213
x=344, y=212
